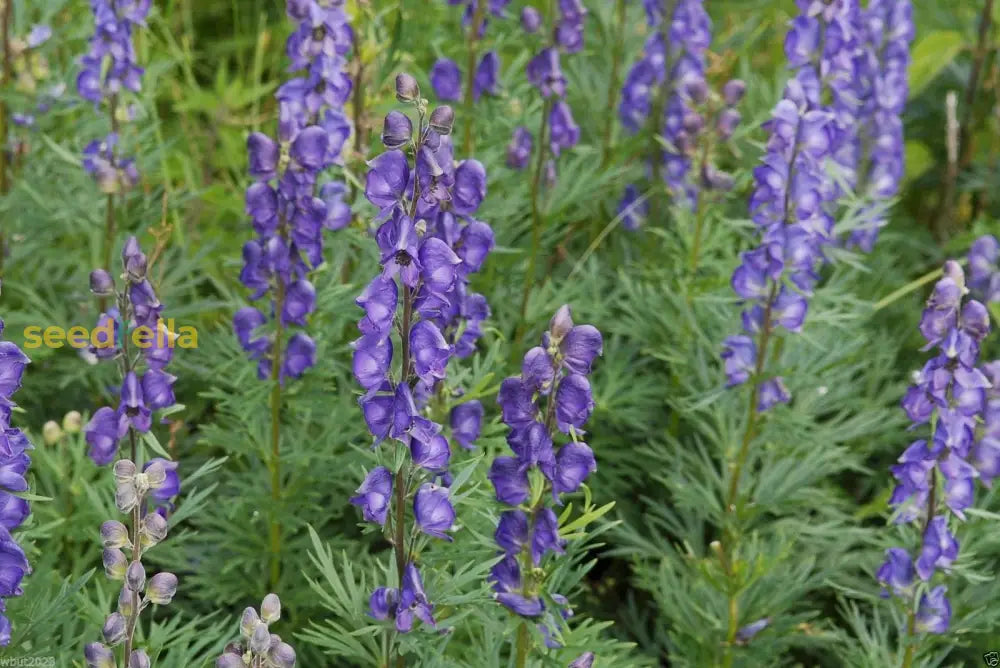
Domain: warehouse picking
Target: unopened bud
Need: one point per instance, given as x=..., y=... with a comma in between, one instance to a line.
x=733, y=91
x=101, y=283
x=98, y=656
x=270, y=609
x=115, y=564
x=561, y=324
x=126, y=601
x=135, y=576
x=228, y=660
x=114, y=629
x=126, y=497
x=72, y=422
x=442, y=119
x=162, y=588
x=260, y=640
x=138, y=659
x=134, y=261
x=407, y=89
x=51, y=433
x=114, y=535
x=154, y=529
x=397, y=130
x=248, y=622
x=124, y=470
x=282, y=655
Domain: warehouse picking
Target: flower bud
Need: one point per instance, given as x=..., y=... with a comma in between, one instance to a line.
x=560, y=324
x=442, y=119
x=282, y=655
x=397, y=130
x=248, y=622
x=101, y=283
x=975, y=319
x=715, y=179
x=697, y=90
x=114, y=629
x=260, y=640
x=51, y=433
x=135, y=576
x=727, y=122
x=72, y=422
x=115, y=564
x=126, y=603
x=407, y=89
x=98, y=656
x=114, y=535
x=134, y=261
x=162, y=588
x=270, y=609
x=156, y=474
x=585, y=660
x=693, y=122
x=954, y=271
x=126, y=497
x=138, y=659
x=153, y=530
x=124, y=470
x=531, y=20
x=228, y=660
x=733, y=91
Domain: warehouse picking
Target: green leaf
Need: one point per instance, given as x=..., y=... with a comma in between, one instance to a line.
x=931, y=54
x=918, y=159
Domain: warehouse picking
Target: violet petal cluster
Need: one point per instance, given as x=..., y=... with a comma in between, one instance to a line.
x=288, y=205
x=887, y=31
x=108, y=69
x=429, y=243
x=668, y=81
x=984, y=268
x=552, y=396
x=936, y=475
x=544, y=71
x=135, y=318
x=14, y=463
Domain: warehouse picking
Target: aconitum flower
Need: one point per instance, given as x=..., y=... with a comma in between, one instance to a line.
x=519, y=148
x=984, y=268
x=14, y=463
x=256, y=643
x=935, y=476
x=446, y=80
x=487, y=75
x=429, y=244
x=553, y=373
x=288, y=205
x=879, y=75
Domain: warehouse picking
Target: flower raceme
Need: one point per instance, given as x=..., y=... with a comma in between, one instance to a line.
x=257, y=646
x=936, y=475
x=288, y=206
x=551, y=396
x=429, y=244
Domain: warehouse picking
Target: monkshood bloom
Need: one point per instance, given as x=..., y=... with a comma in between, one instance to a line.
x=935, y=475
x=984, y=268
x=787, y=205
x=881, y=80
x=544, y=71
x=143, y=390
x=288, y=206
x=108, y=70
x=429, y=244
x=552, y=396
x=257, y=646
x=666, y=92
x=142, y=493
x=14, y=463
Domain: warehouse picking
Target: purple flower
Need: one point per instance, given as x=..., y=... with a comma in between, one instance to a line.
x=740, y=356
x=512, y=531
x=772, y=392
x=565, y=133
x=632, y=210
x=373, y=497
x=387, y=180
x=433, y=510
x=574, y=402
x=383, y=602
x=487, y=75
x=545, y=73
x=939, y=548
x=430, y=451
x=574, y=462
x=897, y=572
x=430, y=351
x=510, y=480
x=934, y=611
x=446, y=80
x=531, y=20
x=519, y=148
x=466, y=422
x=413, y=601
x=545, y=535
x=300, y=355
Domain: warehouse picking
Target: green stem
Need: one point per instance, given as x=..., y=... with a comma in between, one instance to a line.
x=275, y=463
x=915, y=284
x=523, y=645
x=537, y=219
x=109, y=219
x=472, y=45
x=911, y=618
x=6, y=18
x=613, y=85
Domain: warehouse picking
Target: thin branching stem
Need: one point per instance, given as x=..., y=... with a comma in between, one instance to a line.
x=617, y=55
x=472, y=48
x=6, y=19
x=274, y=464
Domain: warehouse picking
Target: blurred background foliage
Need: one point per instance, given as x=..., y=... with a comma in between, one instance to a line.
x=663, y=422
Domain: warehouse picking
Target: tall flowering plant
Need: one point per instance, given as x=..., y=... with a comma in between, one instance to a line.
x=550, y=400
x=290, y=209
x=110, y=70
x=141, y=489
x=936, y=475
x=14, y=463
x=257, y=646
x=429, y=242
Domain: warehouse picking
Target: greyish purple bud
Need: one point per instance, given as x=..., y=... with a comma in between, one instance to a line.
x=726, y=123
x=135, y=576
x=162, y=588
x=282, y=655
x=442, y=119
x=397, y=130
x=115, y=564
x=585, y=660
x=114, y=629
x=124, y=470
x=260, y=641
x=697, y=89
x=138, y=659
x=561, y=324
x=693, y=122
x=954, y=271
x=126, y=497
x=248, y=622
x=155, y=475
x=154, y=529
x=733, y=91
x=270, y=609
x=407, y=89
x=98, y=656
x=114, y=535
x=101, y=283
x=125, y=601
x=228, y=660
x=134, y=261
x=531, y=20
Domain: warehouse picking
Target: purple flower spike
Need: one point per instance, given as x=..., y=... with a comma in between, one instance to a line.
x=374, y=495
